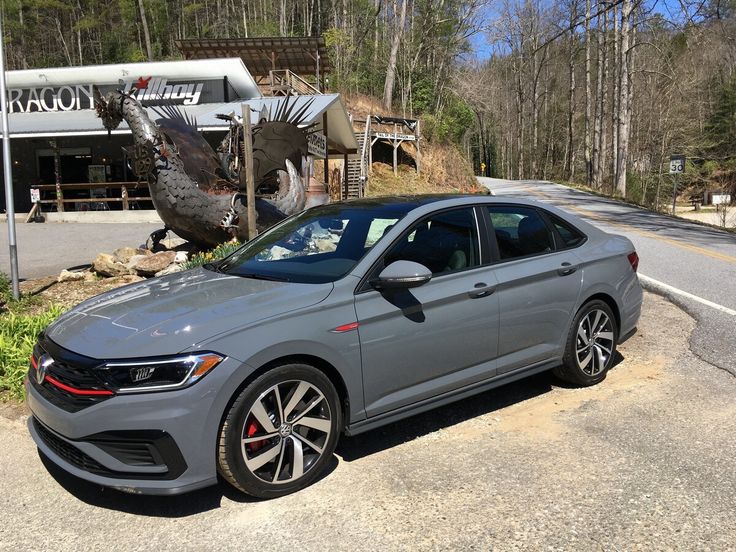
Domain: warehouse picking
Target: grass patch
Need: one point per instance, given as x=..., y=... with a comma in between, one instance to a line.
x=19, y=329
x=219, y=252
x=18, y=334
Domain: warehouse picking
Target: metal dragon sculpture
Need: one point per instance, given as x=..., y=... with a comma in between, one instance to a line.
x=196, y=190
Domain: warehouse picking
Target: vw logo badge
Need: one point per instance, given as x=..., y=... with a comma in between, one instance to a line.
x=43, y=365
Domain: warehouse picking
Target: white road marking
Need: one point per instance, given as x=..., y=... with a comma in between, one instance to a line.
x=676, y=291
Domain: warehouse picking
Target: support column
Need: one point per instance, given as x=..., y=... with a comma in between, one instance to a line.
x=250, y=187
x=57, y=176
x=344, y=195
x=327, y=165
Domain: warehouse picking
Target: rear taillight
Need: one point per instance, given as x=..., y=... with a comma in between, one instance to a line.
x=633, y=260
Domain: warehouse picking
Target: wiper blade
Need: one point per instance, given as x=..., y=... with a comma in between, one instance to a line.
x=214, y=267
x=261, y=276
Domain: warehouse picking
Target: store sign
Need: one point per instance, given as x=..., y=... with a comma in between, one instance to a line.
x=81, y=96
x=317, y=144
x=159, y=89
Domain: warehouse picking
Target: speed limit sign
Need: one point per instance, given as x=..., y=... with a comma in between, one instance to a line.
x=677, y=164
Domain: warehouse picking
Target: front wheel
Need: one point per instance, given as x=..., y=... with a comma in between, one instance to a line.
x=591, y=345
x=280, y=432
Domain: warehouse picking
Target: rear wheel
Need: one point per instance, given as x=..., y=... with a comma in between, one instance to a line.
x=280, y=432
x=591, y=345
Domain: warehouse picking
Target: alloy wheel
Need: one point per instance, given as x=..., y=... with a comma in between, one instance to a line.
x=285, y=431
x=594, y=342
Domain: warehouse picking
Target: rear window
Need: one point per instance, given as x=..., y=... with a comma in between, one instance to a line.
x=571, y=236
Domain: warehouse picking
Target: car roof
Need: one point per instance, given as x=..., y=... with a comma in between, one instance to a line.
x=421, y=204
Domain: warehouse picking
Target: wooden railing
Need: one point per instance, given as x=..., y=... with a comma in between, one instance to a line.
x=59, y=199
x=287, y=83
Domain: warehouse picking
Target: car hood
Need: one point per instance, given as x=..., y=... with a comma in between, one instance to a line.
x=167, y=315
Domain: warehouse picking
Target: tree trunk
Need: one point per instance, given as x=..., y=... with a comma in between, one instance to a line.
x=388, y=88
x=588, y=99
x=623, y=107
x=146, y=34
x=616, y=97
x=570, y=168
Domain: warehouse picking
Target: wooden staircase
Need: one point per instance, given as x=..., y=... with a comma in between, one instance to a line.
x=357, y=170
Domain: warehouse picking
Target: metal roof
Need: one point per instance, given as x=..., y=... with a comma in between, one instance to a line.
x=85, y=122
x=302, y=55
x=233, y=68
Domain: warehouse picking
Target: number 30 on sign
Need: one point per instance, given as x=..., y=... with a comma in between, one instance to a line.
x=677, y=164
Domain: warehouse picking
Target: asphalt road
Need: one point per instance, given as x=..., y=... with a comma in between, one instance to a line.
x=689, y=259
x=46, y=249
x=643, y=461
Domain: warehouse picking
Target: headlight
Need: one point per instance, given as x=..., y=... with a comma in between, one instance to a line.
x=160, y=374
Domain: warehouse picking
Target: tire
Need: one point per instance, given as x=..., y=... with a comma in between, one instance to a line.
x=586, y=361
x=298, y=438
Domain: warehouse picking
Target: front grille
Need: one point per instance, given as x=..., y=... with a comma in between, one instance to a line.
x=135, y=448
x=70, y=369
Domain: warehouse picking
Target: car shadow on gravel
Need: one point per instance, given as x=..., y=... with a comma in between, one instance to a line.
x=377, y=440
x=195, y=502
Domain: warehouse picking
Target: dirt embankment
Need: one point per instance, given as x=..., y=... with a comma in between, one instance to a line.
x=442, y=167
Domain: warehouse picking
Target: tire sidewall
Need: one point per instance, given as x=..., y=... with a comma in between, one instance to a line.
x=246, y=480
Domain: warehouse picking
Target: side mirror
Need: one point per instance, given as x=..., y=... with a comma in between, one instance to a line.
x=402, y=274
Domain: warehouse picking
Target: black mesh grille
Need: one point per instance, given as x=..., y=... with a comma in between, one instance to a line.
x=69, y=452
x=135, y=448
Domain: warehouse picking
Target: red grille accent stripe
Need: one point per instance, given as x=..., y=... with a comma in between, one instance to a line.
x=34, y=363
x=74, y=390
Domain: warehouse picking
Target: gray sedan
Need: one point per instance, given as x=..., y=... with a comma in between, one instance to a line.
x=340, y=319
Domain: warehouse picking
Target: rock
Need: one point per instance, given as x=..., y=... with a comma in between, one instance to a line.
x=129, y=278
x=106, y=265
x=155, y=263
x=181, y=257
x=90, y=276
x=171, y=269
x=68, y=276
x=134, y=261
x=124, y=254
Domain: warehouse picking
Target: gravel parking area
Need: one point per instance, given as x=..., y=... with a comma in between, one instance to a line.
x=644, y=461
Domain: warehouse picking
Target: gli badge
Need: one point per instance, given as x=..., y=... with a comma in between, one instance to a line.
x=43, y=365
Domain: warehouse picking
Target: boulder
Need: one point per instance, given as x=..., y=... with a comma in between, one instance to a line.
x=181, y=257
x=134, y=261
x=69, y=276
x=171, y=269
x=154, y=263
x=129, y=279
x=106, y=265
x=124, y=254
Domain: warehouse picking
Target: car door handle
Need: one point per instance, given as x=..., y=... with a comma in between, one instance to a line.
x=481, y=289
x=566, y=269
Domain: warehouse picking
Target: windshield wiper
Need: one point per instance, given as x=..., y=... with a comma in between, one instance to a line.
x=260, y=276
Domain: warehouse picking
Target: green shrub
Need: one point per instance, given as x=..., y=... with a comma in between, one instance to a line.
x=18, y=333
x=219, y=252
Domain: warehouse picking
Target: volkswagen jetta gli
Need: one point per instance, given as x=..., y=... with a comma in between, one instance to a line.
x=340, y=319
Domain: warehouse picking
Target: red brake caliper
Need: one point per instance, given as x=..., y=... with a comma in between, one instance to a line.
x=252, y=429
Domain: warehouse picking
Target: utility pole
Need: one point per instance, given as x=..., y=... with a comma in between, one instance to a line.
x=8, y=173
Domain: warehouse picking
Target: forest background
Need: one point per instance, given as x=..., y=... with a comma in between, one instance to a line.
x=594, y=92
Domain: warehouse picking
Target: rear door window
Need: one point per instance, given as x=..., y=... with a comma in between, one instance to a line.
x=571, y=236
x=520, y=231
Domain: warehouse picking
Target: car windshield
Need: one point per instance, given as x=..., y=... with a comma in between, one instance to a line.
x=316, y=246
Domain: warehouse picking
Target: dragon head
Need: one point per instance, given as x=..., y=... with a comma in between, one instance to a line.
x=108, y=108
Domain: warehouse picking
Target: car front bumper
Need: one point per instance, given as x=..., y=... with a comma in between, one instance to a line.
x=148, y=443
